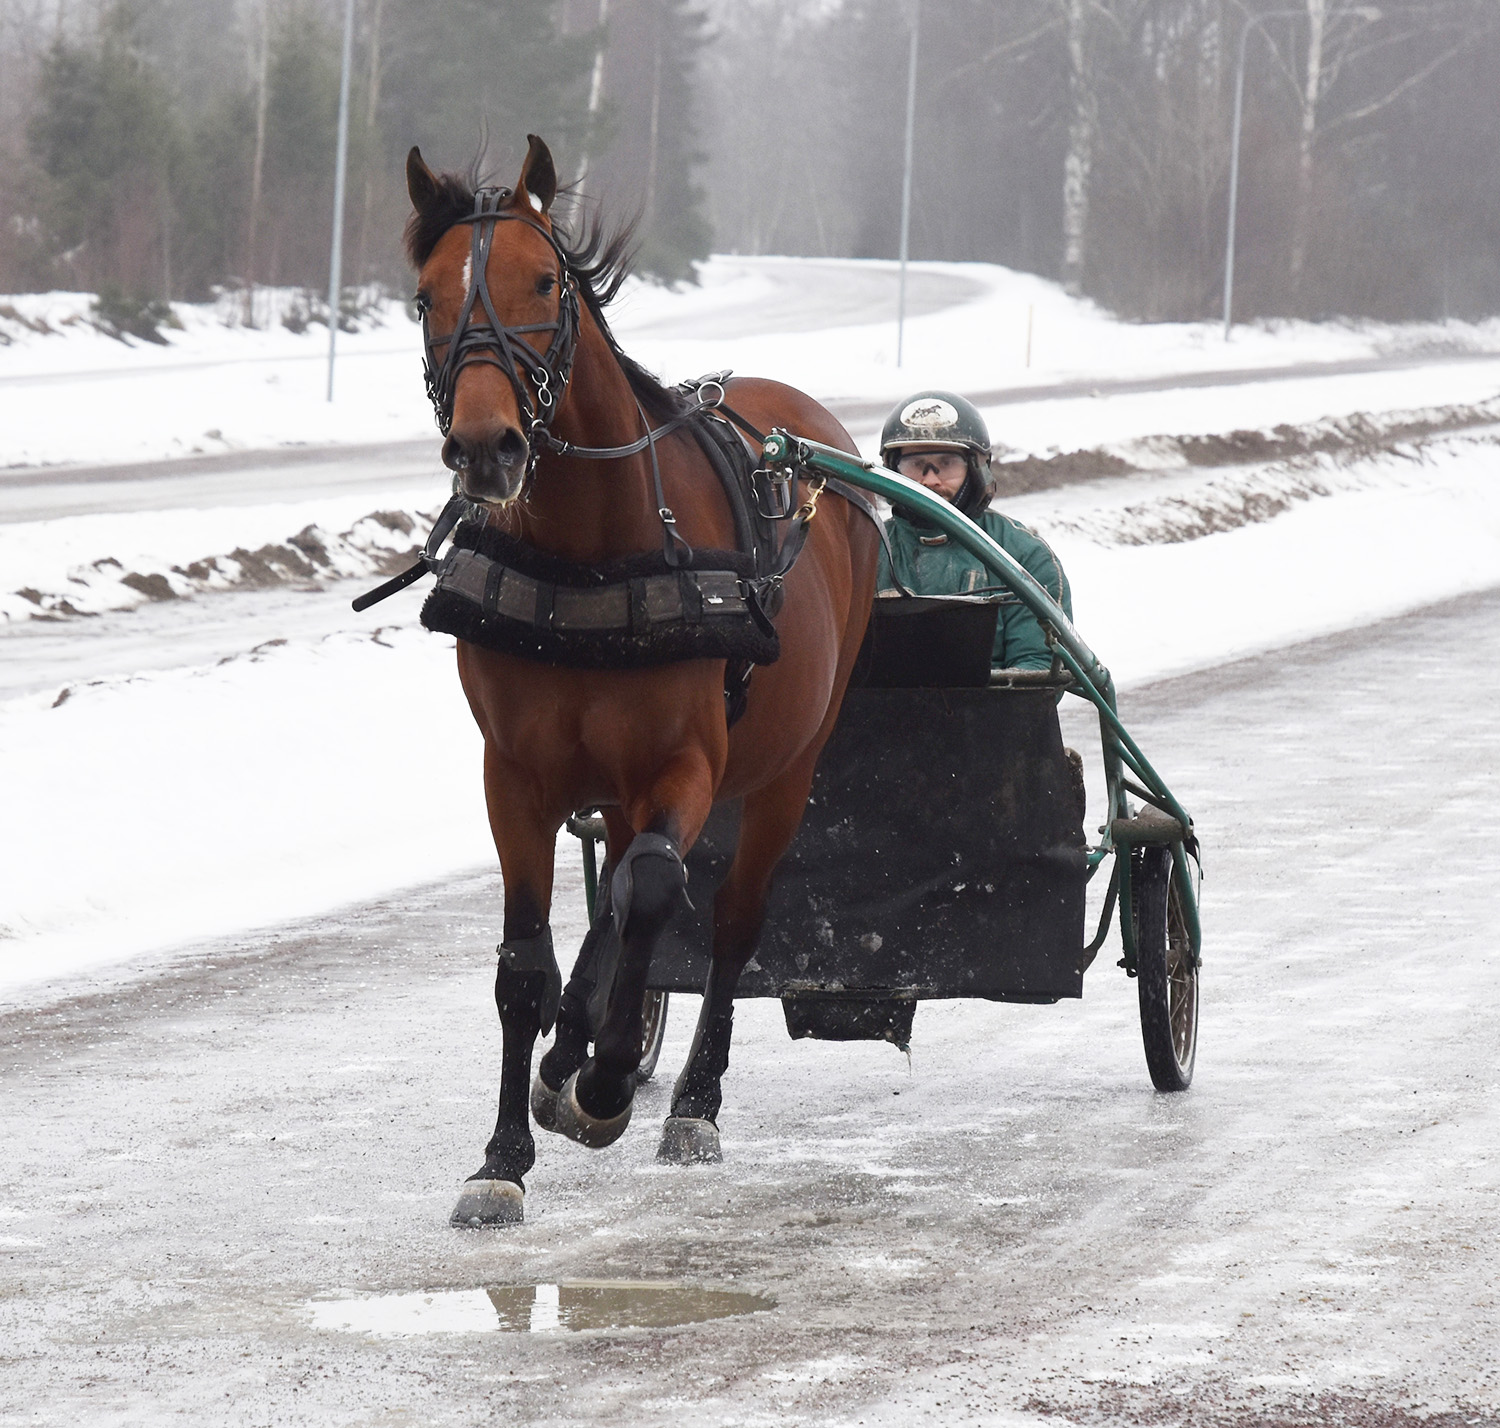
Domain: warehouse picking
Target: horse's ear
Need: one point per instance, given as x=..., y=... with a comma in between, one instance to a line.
x=421, y=182
x=538, y=182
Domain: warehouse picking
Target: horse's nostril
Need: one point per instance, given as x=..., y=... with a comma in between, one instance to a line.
x=512, y=446
x=455, y=454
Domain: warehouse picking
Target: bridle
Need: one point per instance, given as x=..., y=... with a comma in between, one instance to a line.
x=488, y=340
x=492, y=342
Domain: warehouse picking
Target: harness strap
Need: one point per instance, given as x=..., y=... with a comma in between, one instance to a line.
x=674, y=548
x=618, y=453
x=852, y=494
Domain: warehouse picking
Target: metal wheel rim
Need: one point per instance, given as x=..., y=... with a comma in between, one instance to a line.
x=653, y=1030
x=1182, y=982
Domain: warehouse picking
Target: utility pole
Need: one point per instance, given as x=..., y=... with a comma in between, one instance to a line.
x=911, y=115
x=257, y=166
x=341, y=165
x=1254, y=22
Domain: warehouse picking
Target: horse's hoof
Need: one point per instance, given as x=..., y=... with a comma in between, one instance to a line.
x=544, y=1104
x=577, y=1124
x=686, y=1140
x=488, y=1202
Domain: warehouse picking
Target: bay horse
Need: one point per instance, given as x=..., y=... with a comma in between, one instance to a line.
x=525, y=373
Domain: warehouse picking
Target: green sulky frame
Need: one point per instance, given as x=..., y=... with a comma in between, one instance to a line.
x=1127, y=771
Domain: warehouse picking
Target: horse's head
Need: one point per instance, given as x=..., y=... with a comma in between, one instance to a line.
x=500, y=318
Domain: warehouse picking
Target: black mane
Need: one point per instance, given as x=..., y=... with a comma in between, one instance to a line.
x=599, y=262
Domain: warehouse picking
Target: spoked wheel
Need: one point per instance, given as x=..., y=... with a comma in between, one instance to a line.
x=1166, y=975
x=653, y=1030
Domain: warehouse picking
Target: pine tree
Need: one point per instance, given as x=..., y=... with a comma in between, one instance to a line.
x=105, y=135
x=470, y=79
x=651, y=152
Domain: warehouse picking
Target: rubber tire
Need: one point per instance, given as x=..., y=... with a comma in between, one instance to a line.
x=653, y=1033
x=1166, y=977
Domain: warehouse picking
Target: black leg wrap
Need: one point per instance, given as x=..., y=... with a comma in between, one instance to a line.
x=519, y=994
x=528, y=969
x=648, y=894
x=606, y=962
x=699, y=1091
x=570, y=1048
x=646, y=889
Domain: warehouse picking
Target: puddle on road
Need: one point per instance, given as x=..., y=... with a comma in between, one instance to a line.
x=536, y=1308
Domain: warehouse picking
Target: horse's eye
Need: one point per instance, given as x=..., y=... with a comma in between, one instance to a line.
x=423, y=303
x=545, y=284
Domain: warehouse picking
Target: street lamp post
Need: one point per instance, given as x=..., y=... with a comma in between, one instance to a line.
x=341, y=164
x=1369, y=13
x=911, y=115
x=1254, y=22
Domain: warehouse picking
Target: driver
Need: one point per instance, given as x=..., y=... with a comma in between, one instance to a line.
x=940, y=440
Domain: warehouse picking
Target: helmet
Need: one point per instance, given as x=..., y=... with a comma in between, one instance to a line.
x=943, y=421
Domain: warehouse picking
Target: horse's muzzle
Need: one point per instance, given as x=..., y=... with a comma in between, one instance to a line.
x=491, y=468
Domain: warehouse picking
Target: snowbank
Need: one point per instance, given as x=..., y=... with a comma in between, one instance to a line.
x=215, y=387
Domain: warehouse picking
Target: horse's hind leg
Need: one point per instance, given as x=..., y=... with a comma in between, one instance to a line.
x=570, y=1047
x=768, y=824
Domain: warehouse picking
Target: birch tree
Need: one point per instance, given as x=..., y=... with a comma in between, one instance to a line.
x=1411, y=40
x=1083, y=124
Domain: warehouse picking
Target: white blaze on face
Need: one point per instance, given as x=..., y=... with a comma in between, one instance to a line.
x=468, y=270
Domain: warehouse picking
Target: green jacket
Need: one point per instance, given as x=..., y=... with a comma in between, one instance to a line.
x=928, y=563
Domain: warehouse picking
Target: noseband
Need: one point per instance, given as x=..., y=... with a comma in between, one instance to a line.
x=488, y=340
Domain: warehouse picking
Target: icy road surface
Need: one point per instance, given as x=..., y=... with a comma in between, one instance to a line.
x=1013, y=1228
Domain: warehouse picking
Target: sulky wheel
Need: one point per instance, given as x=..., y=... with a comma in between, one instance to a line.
x=653, y=1030
x=1167, y=977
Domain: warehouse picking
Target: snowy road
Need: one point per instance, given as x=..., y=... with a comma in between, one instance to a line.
x=1009, y=1229
x=399, y=469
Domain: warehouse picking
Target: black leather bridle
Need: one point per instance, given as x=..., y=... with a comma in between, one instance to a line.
x=490, y=341
x=483, y=338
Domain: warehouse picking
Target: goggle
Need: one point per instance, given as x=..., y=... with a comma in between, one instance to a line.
x=917, y=463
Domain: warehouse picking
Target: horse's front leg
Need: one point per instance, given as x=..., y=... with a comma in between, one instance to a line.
x=648, y=885
x=527, y=986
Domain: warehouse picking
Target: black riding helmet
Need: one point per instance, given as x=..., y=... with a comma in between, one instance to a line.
x=943, y=421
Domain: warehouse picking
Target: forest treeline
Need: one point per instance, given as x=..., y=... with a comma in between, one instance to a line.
x=174, y=148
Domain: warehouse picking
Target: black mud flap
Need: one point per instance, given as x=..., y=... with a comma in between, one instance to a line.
x=825, y=1017
x=941, y=855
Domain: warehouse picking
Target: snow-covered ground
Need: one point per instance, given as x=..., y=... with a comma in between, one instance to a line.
x=180, y=768
x=70, y=394
x=208, y=1174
